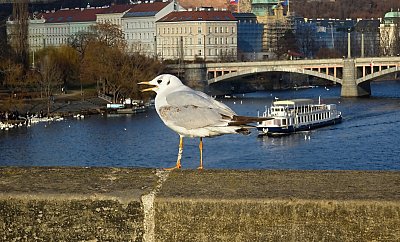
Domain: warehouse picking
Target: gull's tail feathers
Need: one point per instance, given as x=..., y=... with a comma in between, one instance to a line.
x=243, y=131
x=245, y=120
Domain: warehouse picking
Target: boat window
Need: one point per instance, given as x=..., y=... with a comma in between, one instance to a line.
x=283, y=121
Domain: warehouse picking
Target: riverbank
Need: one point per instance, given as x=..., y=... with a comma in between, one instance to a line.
x=61, y=203
x=68, y=104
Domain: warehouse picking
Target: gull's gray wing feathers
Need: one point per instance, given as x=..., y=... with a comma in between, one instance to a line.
x=191, y=110
x=191, y=117
x=198, y=99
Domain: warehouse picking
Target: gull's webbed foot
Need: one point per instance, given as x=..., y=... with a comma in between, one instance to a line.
x=178, y=166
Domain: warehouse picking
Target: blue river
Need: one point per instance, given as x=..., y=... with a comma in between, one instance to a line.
x=367, y=139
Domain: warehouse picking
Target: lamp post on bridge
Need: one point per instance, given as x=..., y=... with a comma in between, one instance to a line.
x=348, y=43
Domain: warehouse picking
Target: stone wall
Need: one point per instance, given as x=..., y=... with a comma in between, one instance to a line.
x=110, y=204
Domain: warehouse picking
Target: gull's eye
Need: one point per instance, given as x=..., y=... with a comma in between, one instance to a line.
x=159, y=81
x=168, y=82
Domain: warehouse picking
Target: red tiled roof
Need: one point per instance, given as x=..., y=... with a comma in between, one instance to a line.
x=204, y=3
x=118, y=8
x=148, y=7
x=198, y=16
x=71, y=15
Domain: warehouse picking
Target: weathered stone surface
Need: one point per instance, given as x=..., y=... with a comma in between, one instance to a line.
x=279, y=206
x=73, y=204
x=109, y=204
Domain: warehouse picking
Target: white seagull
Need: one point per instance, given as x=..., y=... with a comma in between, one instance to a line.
x=192, y=113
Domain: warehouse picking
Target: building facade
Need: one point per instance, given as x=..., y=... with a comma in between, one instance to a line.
x=205, y=35
x=271, y=13
x=113, y=14
x=315, y=35
x=139, y=25
x=250, y=34
x=54, y=28
x=390, y=34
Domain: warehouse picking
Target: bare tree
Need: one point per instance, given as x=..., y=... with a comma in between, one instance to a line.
x=14, y=76
x=305, y=36
x=50, y=74
x=19, y=31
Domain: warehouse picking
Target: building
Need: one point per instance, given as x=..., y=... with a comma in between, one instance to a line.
x=366, y=38
x=315, y=35
x=250, y=34
x=271, y=13
x=113, y=14
x=203, y=34
x=139, y=25
x=390, y=34
x=54, y=28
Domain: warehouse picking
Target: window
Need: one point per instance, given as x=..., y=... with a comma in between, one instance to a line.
x=199, y=41
x=209, y=29
x=200, y=52
x=199, y=30
x=216, y=29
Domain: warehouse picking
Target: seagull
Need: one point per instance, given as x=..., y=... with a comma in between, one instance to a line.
x=193, y=113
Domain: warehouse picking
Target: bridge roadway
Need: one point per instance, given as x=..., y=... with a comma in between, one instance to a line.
x=354, y=74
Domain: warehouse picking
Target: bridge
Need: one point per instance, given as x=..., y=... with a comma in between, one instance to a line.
x=353, y=74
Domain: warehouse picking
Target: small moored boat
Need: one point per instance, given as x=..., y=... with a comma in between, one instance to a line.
x=289, y=116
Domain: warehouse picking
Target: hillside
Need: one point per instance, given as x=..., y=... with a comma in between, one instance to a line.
x=305, y=8
x=341, y=9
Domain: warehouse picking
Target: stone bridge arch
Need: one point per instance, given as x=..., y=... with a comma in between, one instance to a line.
x=378, y=74
x=252, y=71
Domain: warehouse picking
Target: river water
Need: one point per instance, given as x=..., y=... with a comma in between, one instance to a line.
x=367, y=139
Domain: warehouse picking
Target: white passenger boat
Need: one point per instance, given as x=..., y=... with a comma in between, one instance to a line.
x=289, y=116
x=129, y=106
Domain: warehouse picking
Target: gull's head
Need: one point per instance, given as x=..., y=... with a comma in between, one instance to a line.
x=162, y=83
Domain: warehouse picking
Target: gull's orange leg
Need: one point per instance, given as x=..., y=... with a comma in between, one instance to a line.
x=201, y=154
x=178, y=161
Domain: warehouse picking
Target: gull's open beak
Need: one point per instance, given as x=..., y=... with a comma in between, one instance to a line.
x=147, y=89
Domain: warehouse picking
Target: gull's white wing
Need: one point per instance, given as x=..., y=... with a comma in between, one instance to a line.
x=198, y=99
x=191, y=110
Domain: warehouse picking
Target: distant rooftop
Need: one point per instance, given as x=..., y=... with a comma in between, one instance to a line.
x=117, y=8
x=146, y=9
x=198, y=16
x=70, y=15
x=391, y=17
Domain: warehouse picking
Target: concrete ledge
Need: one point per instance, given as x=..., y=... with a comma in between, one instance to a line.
x=73, y=204
x=109, y=204
x=279, y=206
